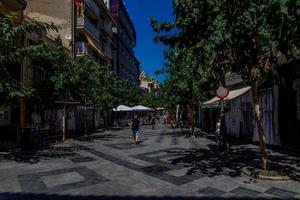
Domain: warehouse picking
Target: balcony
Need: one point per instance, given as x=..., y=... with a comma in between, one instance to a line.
x=126, y=42
x=93, y=7
x=126, y=75
x=82, y=48
x=106, y=27
x=129, y=64
x=107, y=49
x=83, y=21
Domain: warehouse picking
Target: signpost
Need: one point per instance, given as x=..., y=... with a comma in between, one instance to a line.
x=222, y=92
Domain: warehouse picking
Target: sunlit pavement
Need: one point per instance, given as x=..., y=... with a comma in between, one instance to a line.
x=165, y=165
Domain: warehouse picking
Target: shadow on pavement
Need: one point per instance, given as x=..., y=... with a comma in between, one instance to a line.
x=212, y=163
x=91, y=138
x=38, y=155
x=11, y=196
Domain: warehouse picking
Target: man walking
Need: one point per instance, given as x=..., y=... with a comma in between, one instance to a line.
x=134, y=125
x=153, y=121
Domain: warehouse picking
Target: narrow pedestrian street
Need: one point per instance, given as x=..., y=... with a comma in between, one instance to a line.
x=165, y=165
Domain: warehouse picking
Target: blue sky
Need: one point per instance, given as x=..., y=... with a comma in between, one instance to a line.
x=147, y=52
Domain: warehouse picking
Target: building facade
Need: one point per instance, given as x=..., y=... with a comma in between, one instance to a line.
x=148, y=84
x=85, y=29
x=128, y=66
x=86, y=26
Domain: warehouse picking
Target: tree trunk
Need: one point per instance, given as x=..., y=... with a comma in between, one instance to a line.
x=192, y=120
x=64, y=123
x=177, y=116
x=262, y=142
x=103, y=113
x=109, y=122
x=94, y=119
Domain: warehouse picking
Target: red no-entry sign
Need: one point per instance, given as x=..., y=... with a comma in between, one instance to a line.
x=222, y=92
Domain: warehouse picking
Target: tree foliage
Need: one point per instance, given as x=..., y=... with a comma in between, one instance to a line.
x=62, y=78
x=233, y=36
x=13, y=54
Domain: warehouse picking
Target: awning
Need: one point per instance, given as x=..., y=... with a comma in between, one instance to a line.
x=94, y=45
x=141, y=108
x=123, y=108
x=215, y=102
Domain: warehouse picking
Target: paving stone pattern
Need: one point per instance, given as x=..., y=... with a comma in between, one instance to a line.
x=59, y=180
x=167, y=164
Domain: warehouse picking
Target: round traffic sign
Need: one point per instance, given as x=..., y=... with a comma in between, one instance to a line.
x=222, y=92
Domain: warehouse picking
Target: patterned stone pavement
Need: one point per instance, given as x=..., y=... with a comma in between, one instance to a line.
x=165, y=165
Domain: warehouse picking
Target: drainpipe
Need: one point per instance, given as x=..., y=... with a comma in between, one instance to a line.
x=73, y=28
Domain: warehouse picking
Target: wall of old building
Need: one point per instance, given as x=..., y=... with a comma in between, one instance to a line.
x=239, y=118
x=57, y=11
x=128, y=65
x=268, y=101
x=240, y=121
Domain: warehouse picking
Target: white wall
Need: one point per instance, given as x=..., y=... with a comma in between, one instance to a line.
x=234, y=118
x=269, y=113
x=268, y=100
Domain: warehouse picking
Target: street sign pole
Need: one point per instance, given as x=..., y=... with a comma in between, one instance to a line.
x=222, y=93
x=222, y=117
x=85, y=118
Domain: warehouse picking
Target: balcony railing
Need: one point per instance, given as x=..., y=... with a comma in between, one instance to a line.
x=126, y=75
x=93, y=6
x=126, y=61
x=86, y=23
x=126, y=42
x=107, y=49
x=81, y=48
x=106, y=27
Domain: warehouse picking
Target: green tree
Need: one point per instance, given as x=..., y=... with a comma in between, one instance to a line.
x=185, y=84
x=236, y=36
x=13, y=53
x=104, y=89
x=254, y=33
x=152, y=100
x=130, y=94
x=64, y=79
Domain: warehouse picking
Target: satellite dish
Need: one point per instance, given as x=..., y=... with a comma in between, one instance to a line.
x=68, y=36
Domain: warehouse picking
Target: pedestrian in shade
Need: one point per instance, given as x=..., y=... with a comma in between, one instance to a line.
x=153, y=121
x=135, y=127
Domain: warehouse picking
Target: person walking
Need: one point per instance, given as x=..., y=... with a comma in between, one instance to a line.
x=165, y=118
x=217, y=134
x=153, y=121
x=135, y=127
